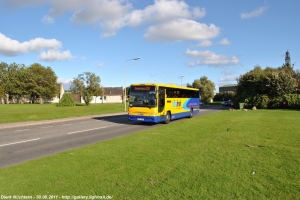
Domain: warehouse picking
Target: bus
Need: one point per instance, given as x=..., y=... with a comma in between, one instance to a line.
x=151, y=102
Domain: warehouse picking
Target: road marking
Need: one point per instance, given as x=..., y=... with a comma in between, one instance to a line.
x=46, y=126
x=67, y=124
x=22, y=130
x=84, y=122
x=86, y=130
x=19, y=142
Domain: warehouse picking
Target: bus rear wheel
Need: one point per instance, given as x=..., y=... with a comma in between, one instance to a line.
x=168, y=118
x=191, y=113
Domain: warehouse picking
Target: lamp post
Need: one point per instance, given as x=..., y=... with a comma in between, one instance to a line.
x=181, y=79
x=125, y=95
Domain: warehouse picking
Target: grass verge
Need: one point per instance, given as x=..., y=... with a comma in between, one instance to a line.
x=225, y=155
x=217, y=103
x=35, y=112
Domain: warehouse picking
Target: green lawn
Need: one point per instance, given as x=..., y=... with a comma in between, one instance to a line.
x=225, y=155
x=34, y=112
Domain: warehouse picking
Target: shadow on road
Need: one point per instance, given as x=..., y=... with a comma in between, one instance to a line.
x=121, y=119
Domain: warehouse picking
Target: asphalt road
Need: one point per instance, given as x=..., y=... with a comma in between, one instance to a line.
x=21, y=142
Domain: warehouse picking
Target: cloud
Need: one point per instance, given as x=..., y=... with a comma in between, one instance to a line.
x=99, y=65
x=10, y=47
x=162, y=11
x=198, y=13
x=181, y=30
x=224, y=41
x=48, y=20
x=205, y=43
x=228, y=72
x=228, y=79
x=64, y=80
x=53, y=55
x=112, y=15
x=109, y=15
x=13, y=4
x=211, y=59
x=257, y=12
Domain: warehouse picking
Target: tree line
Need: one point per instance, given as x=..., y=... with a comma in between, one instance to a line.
x=269, y=88
x=266, y=88
x=36, y=83
x=21, y=83
x=263, y=88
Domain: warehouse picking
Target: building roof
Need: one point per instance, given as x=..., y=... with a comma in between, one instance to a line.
x=229, y=85
x=113, y=91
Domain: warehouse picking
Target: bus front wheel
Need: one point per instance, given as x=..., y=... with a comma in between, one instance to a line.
x=191, y=113
x=168, y=118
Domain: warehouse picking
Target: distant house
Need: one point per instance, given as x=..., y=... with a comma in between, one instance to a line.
x=228, y=88
x=110, y=95
x=59, y=95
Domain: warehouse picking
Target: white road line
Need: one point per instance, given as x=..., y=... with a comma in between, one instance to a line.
x=84, y=122
x=46, y=126
x=67, y=124
x=87, y=130
x=22, y=130
x=19, y=142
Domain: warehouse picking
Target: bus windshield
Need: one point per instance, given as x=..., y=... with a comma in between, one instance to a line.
x=142, y=96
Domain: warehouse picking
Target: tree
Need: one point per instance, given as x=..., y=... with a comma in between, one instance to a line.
x=3, y=74
x=88, y=85
x=32, y=82
x=206, y=87
x=252, y=83
x=66, y=100
x=41, y=82
x=280, y=83
x=224, y=96
x=258, y=87
x=297, y=77
x=2, y=94
x=13, y=80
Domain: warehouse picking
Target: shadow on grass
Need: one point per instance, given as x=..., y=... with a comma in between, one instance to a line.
x=80, y=104
x=285, y=109
x=77, y=104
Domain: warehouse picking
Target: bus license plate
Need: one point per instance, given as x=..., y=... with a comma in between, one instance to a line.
x=140, y=119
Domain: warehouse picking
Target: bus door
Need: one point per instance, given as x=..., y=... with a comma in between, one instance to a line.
x=161, y=101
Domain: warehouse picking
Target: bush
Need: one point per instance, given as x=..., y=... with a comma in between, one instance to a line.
x=276, y=102
x=224, y=96
x=66, y=100
x=292, y=100
x=261, y=101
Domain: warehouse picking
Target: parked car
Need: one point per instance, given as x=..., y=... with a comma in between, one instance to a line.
x=201, y=103
x=226, y=104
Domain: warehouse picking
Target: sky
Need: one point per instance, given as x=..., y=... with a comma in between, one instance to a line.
x=177, y=41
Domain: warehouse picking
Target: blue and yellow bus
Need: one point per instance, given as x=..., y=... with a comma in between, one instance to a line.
x=156, y=103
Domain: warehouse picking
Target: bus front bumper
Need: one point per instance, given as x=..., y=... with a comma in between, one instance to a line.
x=153, y=119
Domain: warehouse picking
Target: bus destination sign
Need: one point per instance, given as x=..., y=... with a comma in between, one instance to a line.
x=144, y=88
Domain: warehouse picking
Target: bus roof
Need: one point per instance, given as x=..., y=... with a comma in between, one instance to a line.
x=163, y=85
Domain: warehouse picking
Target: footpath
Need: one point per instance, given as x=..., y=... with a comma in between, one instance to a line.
x=32, y=123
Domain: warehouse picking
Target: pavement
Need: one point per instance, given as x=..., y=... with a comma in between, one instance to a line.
x=32, y=123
